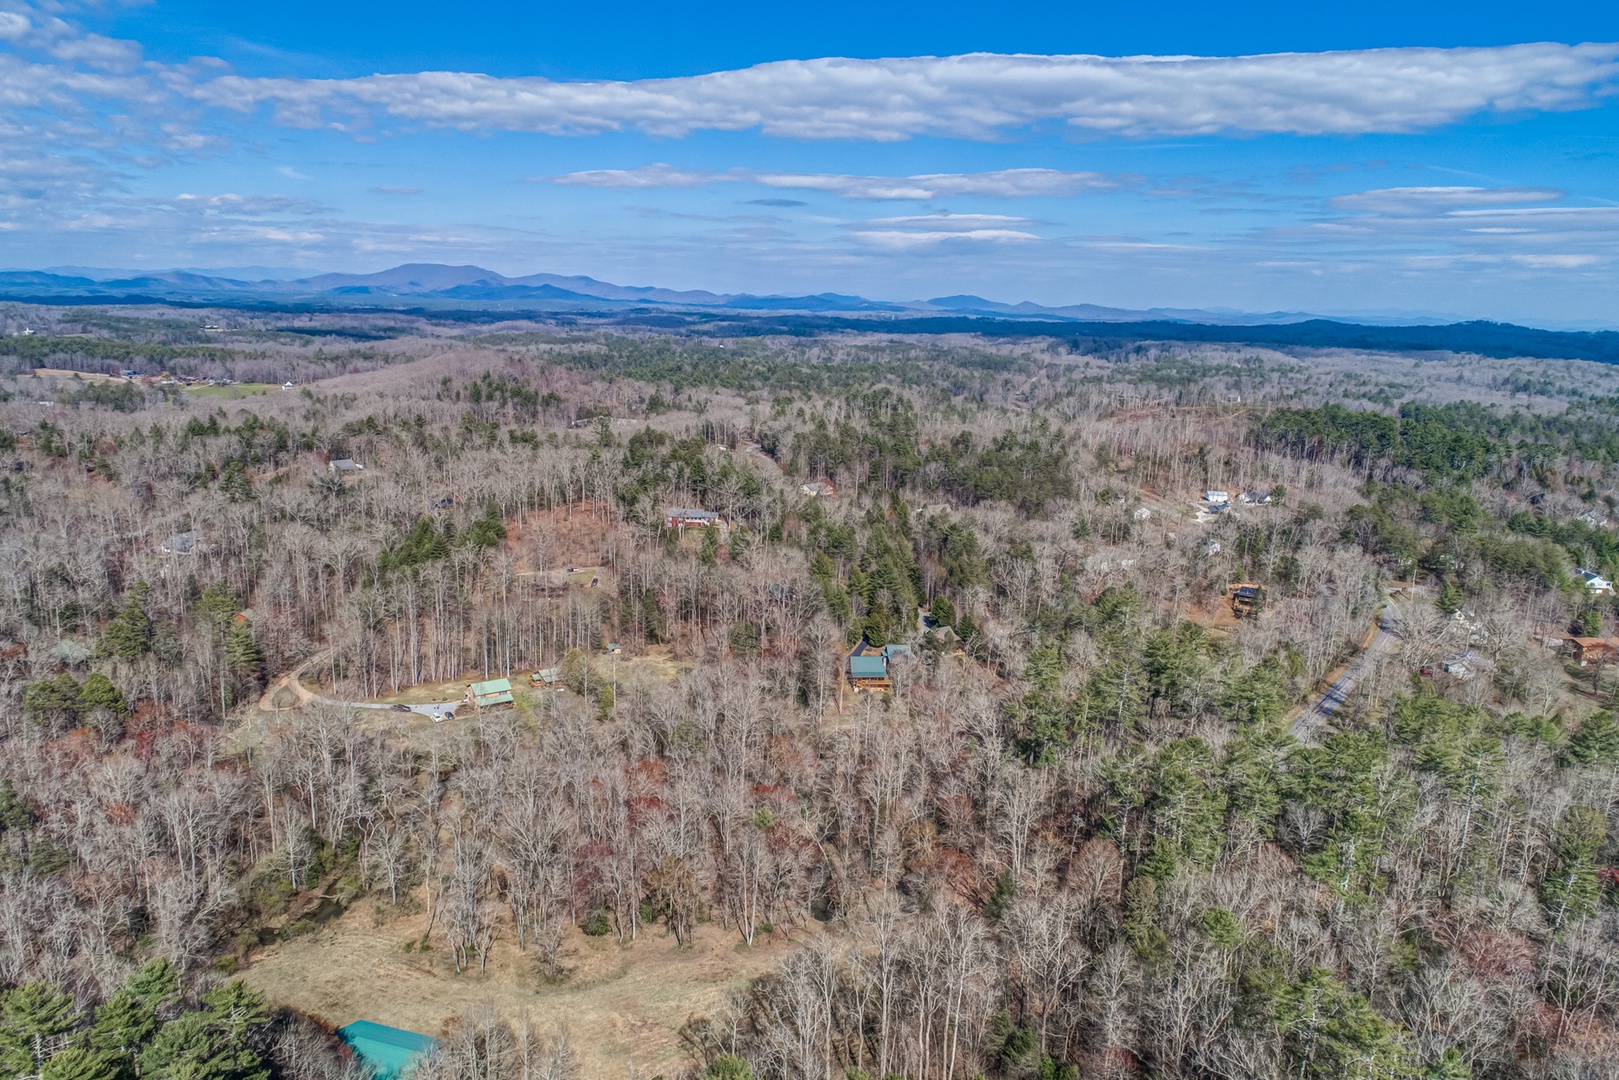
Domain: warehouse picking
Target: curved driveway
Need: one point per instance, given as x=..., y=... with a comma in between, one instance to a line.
x=293, y=680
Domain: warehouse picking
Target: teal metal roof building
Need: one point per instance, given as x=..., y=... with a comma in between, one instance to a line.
x=868, y=667
x=388, y=1050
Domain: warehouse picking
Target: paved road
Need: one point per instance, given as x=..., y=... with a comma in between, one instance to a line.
x=293, y=680
x=1315, y=716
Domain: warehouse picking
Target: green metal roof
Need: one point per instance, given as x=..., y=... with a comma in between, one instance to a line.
x=868, y=667
x=493, y=686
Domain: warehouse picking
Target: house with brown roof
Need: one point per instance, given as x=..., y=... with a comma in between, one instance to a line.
x=1592, y=650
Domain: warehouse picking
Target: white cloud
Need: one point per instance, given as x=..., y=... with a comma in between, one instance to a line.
x=1462, y=228
x=1430, y=200
x=980, y=95
x=647, y=176
x=1003, y=183
x=13, y=27
x=906, y=239
x=930, y=230
x=96, y=51
x=947, y=220
x=1556, y=262
x=245, y=205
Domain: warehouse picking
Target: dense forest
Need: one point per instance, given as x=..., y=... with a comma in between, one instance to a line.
x=1091, y=823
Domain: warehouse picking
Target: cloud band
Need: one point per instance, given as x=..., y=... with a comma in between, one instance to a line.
x=1000, y=184
x=980, y=95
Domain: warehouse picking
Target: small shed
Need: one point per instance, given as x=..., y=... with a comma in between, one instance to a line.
x=1215, y=498
x=389, y=1051
x=549, y=678
x=487, y=695
x=817, y=489
x=345, y=467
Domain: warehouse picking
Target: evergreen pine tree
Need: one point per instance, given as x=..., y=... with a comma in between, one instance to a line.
x=1597, y=741
x=34, y=1020
x=14, y=811
x=1571, y=887
x=124, y=1024
x=129, y=634
x=79, y=1063
x=157, y=984
x=98, y=694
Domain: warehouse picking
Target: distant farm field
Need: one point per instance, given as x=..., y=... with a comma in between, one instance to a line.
x=66, y=373
x=232, y=392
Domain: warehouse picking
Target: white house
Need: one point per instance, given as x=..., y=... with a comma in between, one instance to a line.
x=1595, y=583
x=1216, y=497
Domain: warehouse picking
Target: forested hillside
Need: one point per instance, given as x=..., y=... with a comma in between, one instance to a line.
x=1077, y=813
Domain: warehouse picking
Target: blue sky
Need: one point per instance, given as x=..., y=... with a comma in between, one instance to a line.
x=1458, y=158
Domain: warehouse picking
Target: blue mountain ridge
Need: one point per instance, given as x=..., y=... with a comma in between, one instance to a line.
x=435, y=284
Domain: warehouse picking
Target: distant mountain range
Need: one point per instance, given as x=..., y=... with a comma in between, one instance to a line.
x=434, y=285
x=473, y=294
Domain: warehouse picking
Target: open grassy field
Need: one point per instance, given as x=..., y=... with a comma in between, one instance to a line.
x=623, y=1006
x=65, y=373
x=233, y=392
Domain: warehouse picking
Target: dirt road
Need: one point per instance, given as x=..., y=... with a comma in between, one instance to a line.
x=1309, y=723
x=293, y=681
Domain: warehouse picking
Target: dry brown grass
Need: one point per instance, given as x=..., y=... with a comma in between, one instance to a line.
x=623, y=1006
x=65, y=373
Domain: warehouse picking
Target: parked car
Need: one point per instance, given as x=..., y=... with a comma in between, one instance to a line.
x=400, y=708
